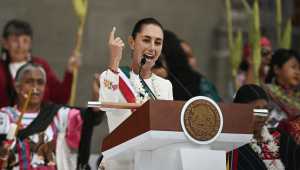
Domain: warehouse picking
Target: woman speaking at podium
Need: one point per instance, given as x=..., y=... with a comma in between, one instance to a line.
x=123, y=84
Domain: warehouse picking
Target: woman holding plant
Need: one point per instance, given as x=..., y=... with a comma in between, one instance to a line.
x=16, y=52
x=247, y=66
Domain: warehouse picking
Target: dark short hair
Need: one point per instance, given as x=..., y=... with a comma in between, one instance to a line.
x=280, y=58
x=17, y=27
x=249, y=93
x=146, y=21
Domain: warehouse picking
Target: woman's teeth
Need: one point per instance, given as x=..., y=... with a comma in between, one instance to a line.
x=148, y=57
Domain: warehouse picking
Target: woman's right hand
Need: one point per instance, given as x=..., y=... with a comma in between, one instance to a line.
x=3, y=151
x=249, y=58
x=116, y=46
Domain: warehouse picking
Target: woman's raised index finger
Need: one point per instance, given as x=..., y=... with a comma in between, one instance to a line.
x=112, y=34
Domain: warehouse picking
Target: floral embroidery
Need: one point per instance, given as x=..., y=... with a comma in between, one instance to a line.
x=110, y=85
x=101, y=167
x=106, y=83
x=294, y=127
x=289, y=99
x=267, y=149
x=114, y=87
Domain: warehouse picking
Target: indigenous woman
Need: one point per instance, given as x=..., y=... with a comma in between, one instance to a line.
x=179, y=62
x=46, y=130
x=267, y=150
x=123, y=84
x=247, y=67
x=281, y=86
x=16, y=48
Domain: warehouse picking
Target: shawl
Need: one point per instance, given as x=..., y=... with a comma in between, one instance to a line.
x=249, y=160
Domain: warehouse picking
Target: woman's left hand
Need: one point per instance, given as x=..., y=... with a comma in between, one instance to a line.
x=74, y=62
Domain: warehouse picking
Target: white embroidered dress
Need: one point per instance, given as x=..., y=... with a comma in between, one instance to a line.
x=110, y=92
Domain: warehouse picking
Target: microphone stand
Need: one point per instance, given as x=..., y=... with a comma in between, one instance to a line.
x=178, y=82
x=143, y=61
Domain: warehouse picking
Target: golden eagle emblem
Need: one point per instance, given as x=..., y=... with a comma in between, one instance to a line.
x=202, y=120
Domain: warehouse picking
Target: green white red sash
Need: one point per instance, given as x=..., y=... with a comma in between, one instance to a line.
x=126, y=87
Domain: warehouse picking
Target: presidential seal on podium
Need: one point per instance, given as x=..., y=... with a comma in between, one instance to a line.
x=201, y=120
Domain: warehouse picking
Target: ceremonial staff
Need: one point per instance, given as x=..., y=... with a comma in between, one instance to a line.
x=80, y=9
x=19, y=122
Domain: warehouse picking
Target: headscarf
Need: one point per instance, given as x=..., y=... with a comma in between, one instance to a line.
x=263, y=42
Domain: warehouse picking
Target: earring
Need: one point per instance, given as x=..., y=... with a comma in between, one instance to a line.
x=132, y=48
x=28, y=56
x=4, y=56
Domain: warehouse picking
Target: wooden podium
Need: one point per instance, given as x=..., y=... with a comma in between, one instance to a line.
x=152, y=138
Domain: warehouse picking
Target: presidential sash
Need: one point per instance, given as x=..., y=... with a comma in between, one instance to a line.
x=126, y=87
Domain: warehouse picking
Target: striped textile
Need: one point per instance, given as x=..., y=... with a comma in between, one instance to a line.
x=248, y=160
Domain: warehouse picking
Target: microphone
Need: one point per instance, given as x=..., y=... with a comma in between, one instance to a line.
x=143, y=61
x=159, y=64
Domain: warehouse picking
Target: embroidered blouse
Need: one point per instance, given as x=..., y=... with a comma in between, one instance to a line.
x=110, y=92
x=37, y=152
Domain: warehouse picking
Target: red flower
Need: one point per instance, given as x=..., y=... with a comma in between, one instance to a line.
x=275, y=134
x=267, y=156
x=265, y=146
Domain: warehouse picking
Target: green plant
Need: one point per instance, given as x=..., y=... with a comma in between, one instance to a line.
x=235, y=47
x=254, y=37
x=285, y=40
x=80, y=9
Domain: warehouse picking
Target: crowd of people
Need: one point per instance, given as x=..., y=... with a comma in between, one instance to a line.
x=44, y=139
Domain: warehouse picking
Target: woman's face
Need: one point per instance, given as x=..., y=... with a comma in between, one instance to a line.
x=31, y=79
x=17, y=46
x=289, y=74
x=147, y=44
x=266, y=59
x=189, y=54
x=259, y=121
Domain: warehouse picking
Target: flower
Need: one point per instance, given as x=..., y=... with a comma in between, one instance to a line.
x=267, y=156
x=276, y=134
x=101, y=167
x=114, y=87
x=142, y=96
x=156, y=87
x=265, y=146
x=140, y=99
x=256, y=148
x=253, y=141
x=267, y=149
x=279, y=164
x=272, y=146
x=265, y=134
x=106, y=83
x=269, y=165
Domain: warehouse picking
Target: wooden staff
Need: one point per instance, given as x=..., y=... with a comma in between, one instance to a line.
x=80, y=9
x=113, y=105
x=19, y=122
